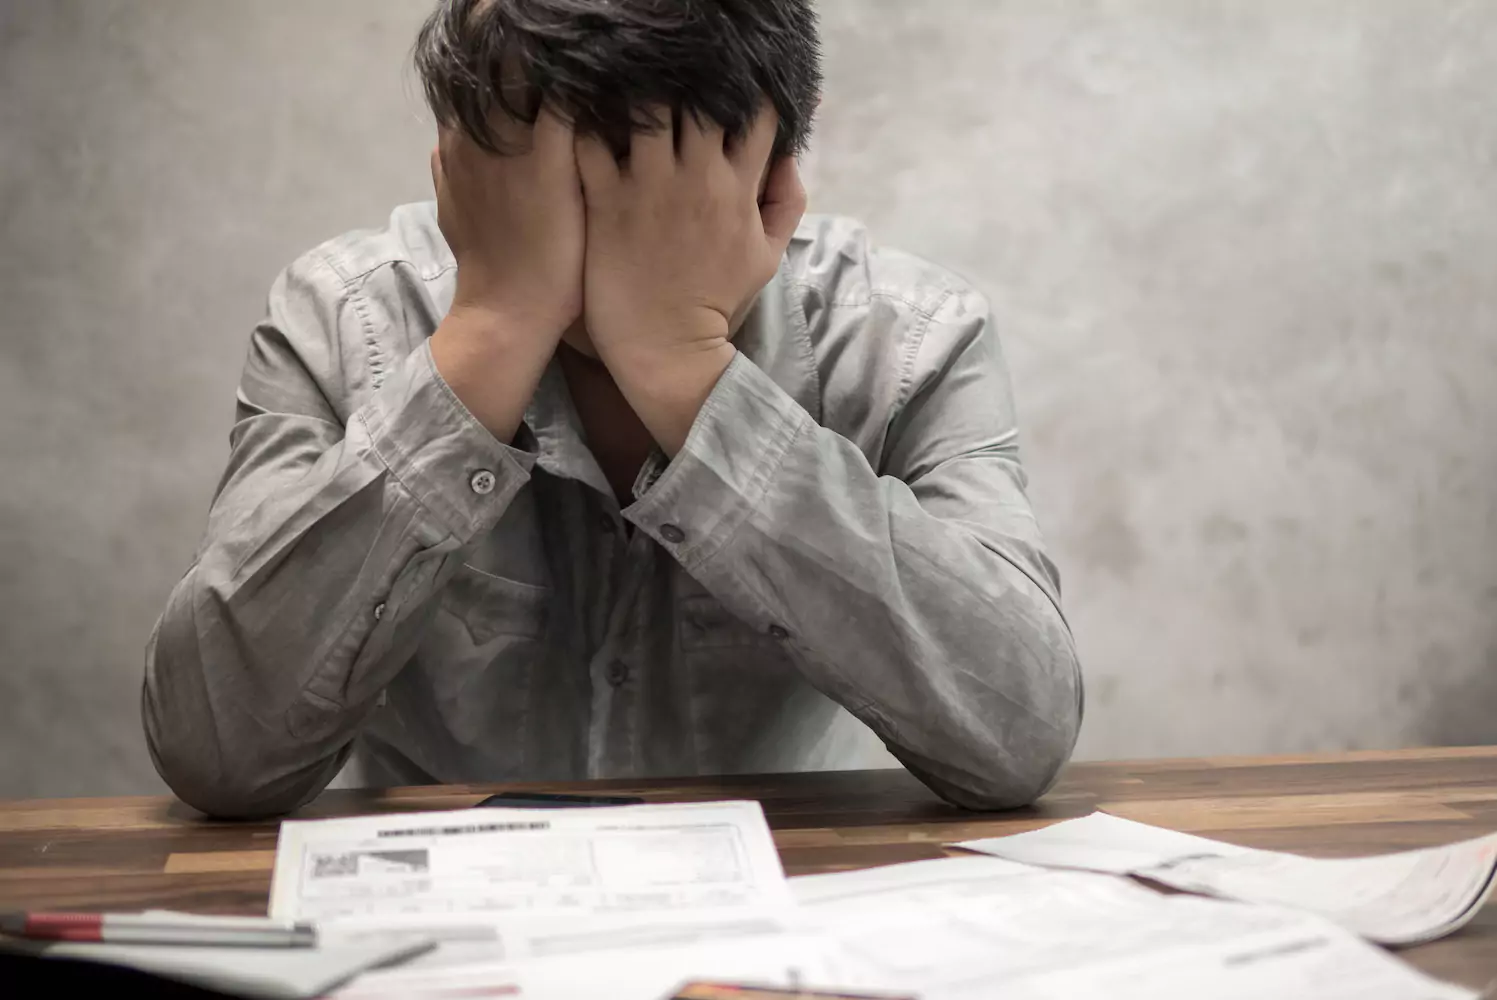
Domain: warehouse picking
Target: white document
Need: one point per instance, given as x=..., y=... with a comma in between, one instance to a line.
x=970, y=928
x=1393, y=899
x=504, y=885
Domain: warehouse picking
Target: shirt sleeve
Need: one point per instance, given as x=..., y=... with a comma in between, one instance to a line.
x=326, y=544
x=918, y=595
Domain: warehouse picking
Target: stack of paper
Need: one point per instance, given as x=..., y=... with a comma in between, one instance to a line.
x=630, y=902
x=1393, y=899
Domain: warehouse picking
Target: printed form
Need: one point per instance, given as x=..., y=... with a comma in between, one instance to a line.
x=1393, y=899
x=512, y=884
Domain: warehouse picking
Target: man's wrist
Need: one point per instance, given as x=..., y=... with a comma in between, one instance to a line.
x=492, y=362
x=667, y=388
x=502, y=324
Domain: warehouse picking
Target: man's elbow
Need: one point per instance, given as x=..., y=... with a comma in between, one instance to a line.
x=1014, y=758
x=1028, y=772
x=196, y=778
x=224, y=794
x=197, y=773
x=1012, y=781
x=1034, y=755
x=209, y=749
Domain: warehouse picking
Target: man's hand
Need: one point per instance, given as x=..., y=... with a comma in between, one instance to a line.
x=515, y=225
x=678, y=246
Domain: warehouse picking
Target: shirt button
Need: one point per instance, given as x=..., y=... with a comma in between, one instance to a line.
x=618, y=673
x=778, y=632
x=482, y=482
x=672, y=534
x=379, y=611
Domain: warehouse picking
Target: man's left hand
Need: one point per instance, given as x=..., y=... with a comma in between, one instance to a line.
x=678, y=247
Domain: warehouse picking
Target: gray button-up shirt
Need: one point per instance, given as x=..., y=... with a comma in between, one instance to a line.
x=843, y=550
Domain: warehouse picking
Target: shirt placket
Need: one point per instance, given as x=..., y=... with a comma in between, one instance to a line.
x=614, y=669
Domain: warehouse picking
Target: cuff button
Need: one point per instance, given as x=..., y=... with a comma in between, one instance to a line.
x=482, y=482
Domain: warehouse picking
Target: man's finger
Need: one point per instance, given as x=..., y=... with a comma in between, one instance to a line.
x=652, y=154
x=596, y=166
x=512, y=135
x=753, y=151
x=554, y=138
x=784, y=203
x=701, y=141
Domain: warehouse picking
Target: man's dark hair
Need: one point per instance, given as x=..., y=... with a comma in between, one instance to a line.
x=600, y=63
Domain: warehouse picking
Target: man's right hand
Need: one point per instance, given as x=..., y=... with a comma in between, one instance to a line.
x=515, y=224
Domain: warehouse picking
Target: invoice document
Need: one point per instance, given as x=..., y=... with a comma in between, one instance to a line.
x=1393, y=899
x=511, y=884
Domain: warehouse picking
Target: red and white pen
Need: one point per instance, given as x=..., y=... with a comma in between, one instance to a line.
x=160, y=928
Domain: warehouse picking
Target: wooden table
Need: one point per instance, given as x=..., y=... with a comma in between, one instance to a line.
x=137, y=852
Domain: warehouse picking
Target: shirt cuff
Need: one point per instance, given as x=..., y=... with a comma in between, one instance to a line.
x=439, y=451
x=692, y=504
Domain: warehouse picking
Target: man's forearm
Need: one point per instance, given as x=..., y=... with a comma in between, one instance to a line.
x=937, y=627
x=323, y=553
x=273, y=646
x=934, y=632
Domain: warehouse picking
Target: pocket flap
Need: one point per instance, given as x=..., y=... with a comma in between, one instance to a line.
x=707, y=624
x=491, y=606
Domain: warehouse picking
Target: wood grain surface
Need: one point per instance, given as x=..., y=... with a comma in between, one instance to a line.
x=131, y=853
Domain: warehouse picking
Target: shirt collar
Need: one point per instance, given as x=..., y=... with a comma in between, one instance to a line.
x=556, y=431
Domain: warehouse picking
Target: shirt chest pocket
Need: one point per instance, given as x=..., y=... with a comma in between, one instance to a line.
x=489, y=608
x=482, y=653
x=705, y=625
x=741, y=680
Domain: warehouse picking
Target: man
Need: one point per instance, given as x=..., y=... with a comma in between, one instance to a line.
x=608, y=464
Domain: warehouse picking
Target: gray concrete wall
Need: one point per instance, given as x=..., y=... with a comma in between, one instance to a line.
x=1244, y=254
